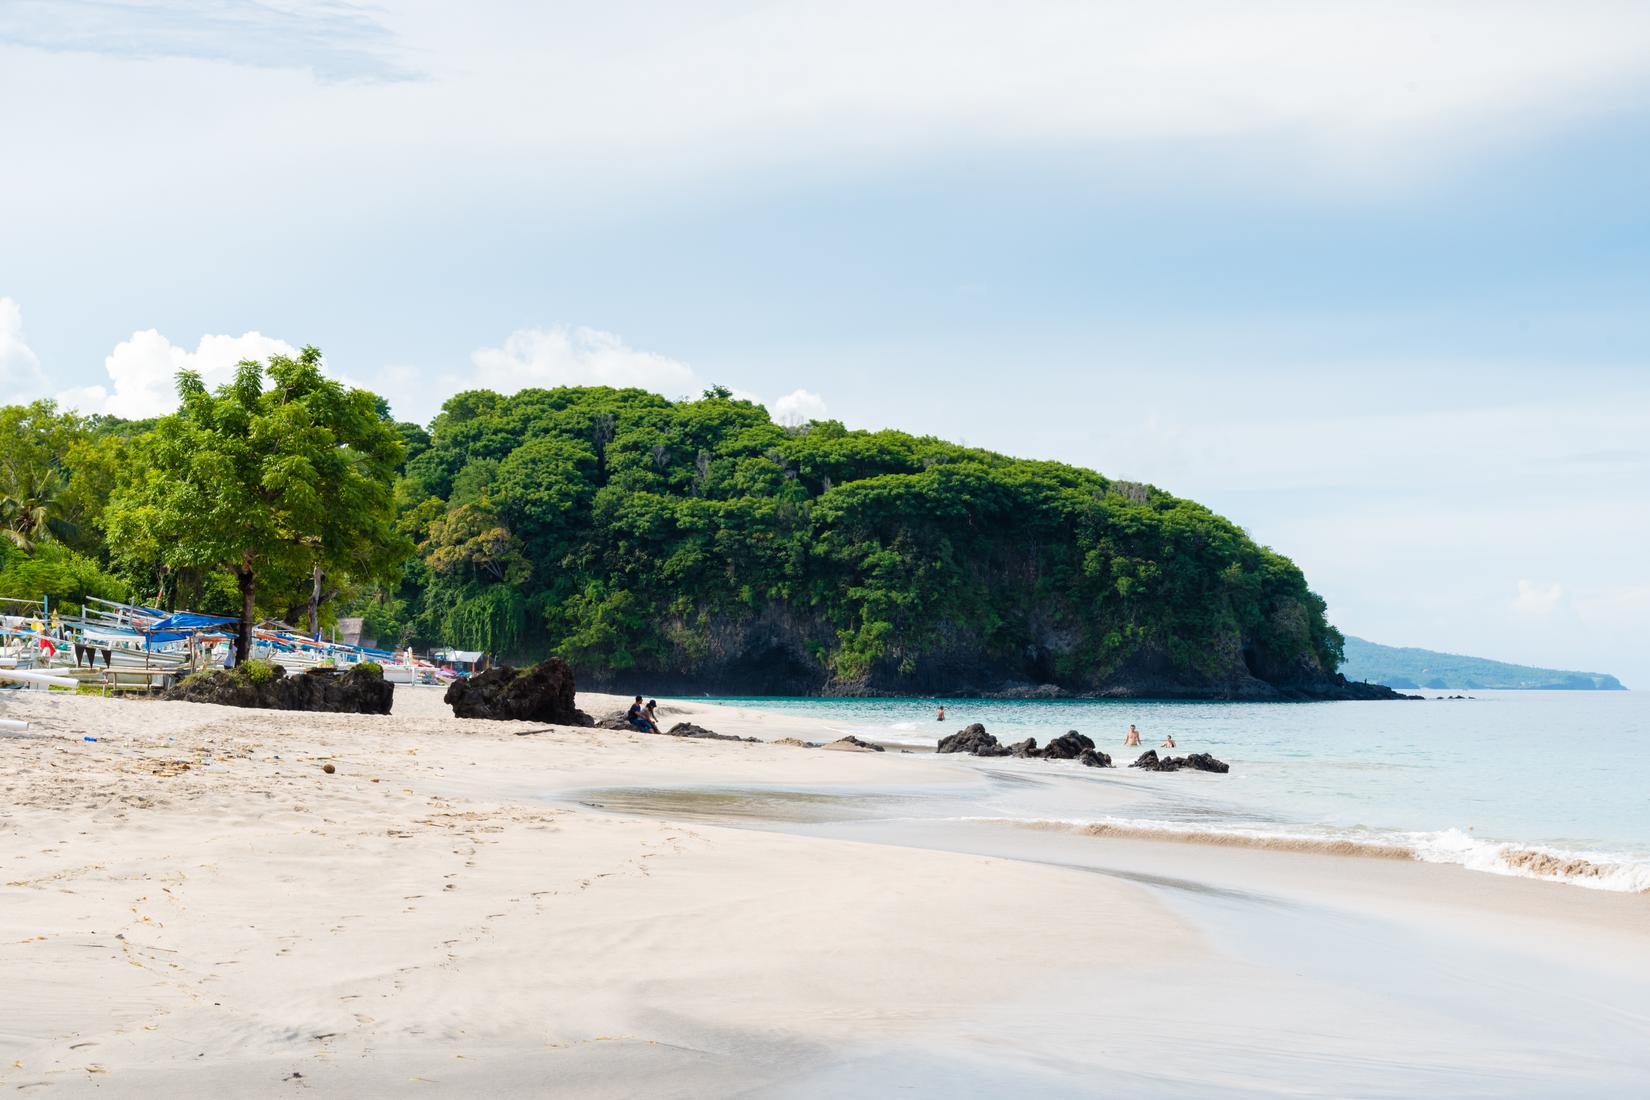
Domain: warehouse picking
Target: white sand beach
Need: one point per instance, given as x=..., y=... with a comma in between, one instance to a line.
x=191, y=906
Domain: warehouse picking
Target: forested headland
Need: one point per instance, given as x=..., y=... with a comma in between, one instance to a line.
x=1407, y=668
x=690, y=545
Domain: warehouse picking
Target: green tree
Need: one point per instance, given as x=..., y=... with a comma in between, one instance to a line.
x=272, y=485
x=31, y=509
x=36, y=442
x=56, y=572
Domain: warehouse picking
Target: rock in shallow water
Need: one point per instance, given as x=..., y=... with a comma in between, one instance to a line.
x=1197, y=761
x=1203, y=762
x=973, y=740
x=1067, y=746
x=1148, y=761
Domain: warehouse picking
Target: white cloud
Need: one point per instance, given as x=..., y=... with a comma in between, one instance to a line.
x=650, y=94
x=143, y=371
x=1363, y=80
x=1537, y=601
x=577, y=356
x=21, y=378
x=563, y=356
x=799, y=407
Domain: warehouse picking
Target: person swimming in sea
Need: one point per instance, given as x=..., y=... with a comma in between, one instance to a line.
x=1132, y=738
x=940, y=715
x=1168, y=742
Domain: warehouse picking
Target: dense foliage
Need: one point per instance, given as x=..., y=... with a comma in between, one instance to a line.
x=288, y=481
x=56, y=471
x=254, y=500
x=690, y=544
x=699, y=543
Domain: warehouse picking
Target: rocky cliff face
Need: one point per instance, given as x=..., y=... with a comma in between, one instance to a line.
x=780, y=652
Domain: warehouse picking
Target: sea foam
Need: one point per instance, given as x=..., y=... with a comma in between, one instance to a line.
x=1592, y=870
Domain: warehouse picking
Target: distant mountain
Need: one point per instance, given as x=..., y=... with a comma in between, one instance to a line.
x=1406, y=667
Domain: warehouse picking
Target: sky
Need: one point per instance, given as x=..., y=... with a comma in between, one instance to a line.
x=1371, y=279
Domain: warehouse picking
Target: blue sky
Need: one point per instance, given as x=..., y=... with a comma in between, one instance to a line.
x=1371, y=279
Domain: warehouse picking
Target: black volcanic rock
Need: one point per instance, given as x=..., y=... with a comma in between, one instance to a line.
x=1197, y=761
x=361, y=690
x=543, y=693
x=688, y=729
x=850, y=742
x=1148, y=761
x=1068, y=746
x=973, y=740
x=774, y=654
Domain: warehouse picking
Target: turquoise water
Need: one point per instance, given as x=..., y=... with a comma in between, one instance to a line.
x=1464, y=781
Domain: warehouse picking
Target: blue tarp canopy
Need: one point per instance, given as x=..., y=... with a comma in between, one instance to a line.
x=187, y=621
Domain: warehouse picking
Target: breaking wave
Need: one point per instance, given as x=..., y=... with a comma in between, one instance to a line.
x=1596, y=871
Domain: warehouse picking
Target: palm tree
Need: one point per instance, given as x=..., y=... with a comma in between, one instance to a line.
x=29, y=509
x=8, y=509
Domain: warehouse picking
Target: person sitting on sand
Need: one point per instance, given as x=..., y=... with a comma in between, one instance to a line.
x=1132, y=738
x=638, y=719
x=652, y=709
x=1168, y=742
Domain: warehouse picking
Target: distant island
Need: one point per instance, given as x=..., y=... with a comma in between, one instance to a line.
x=1407, y=667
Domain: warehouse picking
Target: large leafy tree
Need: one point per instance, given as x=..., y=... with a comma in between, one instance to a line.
x=274, y=485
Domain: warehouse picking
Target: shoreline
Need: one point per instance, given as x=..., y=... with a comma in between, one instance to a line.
x=1589, y=870
x=1606, y=864
x=190, y=904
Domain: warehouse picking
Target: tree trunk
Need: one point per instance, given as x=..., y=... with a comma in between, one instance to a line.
x=316, y=576
x=249, y=598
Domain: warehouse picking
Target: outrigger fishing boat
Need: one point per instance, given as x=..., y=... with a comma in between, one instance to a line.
x=107, y=639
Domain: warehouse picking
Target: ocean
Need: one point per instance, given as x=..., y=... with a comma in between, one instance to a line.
x=1536, y=784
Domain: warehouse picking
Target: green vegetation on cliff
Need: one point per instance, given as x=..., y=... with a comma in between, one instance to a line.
x=698, y=544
